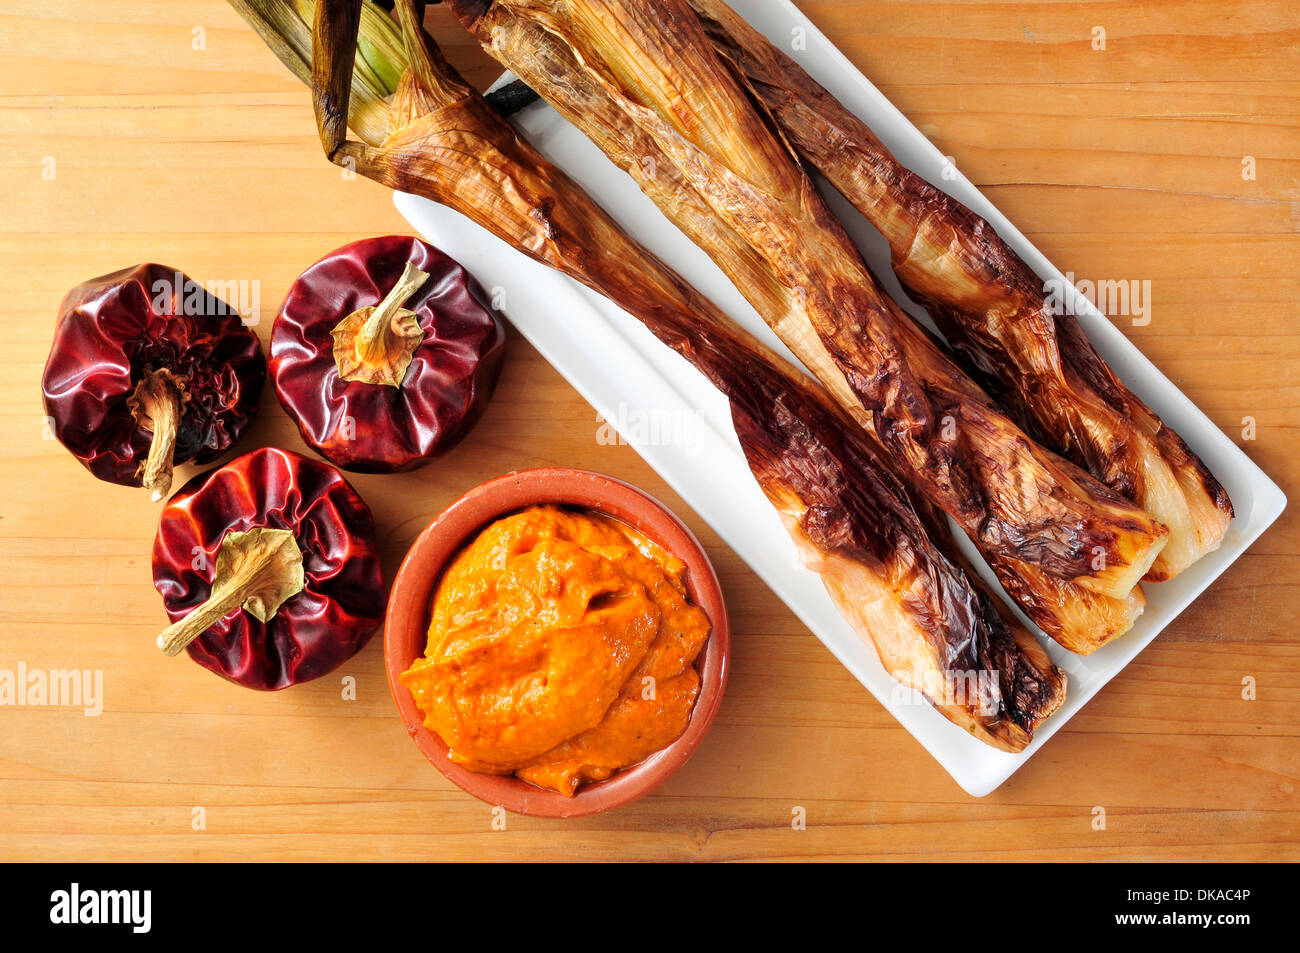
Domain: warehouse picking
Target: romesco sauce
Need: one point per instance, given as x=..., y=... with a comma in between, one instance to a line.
x=561, y=649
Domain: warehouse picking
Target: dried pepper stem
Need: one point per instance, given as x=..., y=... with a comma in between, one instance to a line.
x=157, y=403
x=377, y=333
x=257, y=570
x=375, y=345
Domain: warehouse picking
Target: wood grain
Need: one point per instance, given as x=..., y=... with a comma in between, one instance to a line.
x=1122, y=163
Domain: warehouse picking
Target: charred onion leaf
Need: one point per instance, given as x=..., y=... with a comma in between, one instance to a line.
x=511, y=98
x=990, y=305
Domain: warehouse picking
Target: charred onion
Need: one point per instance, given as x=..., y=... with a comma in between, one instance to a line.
x=991, y=306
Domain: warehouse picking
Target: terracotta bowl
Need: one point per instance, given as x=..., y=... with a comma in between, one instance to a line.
x=409, y=609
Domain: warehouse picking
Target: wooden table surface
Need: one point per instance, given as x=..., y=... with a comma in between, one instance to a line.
x=134, y=131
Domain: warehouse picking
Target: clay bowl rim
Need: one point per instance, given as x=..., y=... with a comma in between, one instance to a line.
x=407, y=617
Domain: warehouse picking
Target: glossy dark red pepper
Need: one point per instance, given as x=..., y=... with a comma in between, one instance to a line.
x=393, y=416
x=328, y=612
x=143, y=357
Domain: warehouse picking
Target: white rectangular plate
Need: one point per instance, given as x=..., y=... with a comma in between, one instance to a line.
x=630, y=378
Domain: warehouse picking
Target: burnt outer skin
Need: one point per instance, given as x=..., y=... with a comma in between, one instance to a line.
x=450, y=380
x=450, y=146
x=343, y=599
x=990, y=305
x=113, y=330
x=858, y=509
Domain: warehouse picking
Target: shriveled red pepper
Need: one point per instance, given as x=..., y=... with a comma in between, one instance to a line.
x=268, y=568
x=386, y=353
x=149, y=370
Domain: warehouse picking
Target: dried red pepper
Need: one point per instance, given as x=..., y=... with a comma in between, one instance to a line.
x=148, y=370
x=268, y=568
x=386, y=353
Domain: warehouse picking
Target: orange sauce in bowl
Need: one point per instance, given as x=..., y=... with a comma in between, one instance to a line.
x=561, y=649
